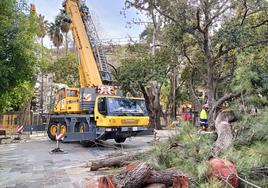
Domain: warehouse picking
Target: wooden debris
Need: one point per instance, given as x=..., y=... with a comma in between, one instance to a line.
x=144, y=175
x=106, y=182
x=114, y=161
x=181, y=182
x=173, y=145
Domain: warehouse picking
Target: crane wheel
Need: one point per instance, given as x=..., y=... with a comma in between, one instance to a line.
x=120, y=140
x=83, y=127
x=53, y=129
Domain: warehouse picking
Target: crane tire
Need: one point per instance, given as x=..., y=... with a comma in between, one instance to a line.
x=120, y=140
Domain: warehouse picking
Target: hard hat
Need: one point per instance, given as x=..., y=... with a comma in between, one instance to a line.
x=205, y=106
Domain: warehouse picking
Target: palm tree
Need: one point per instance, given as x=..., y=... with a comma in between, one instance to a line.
x=64, y=23
x=43, y=27
x=55, y=35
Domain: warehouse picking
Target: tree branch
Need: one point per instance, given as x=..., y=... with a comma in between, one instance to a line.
x=217, y=14
x=198, y=27
x=193, y=93
x=223, y=99
x=245, y=13
x=146, y=97
x=260, y=24
x=222, y=52
x=187, y=57
x=164, y=14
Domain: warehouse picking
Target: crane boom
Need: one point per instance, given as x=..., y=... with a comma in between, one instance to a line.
x=88, y=70
x=95, y=42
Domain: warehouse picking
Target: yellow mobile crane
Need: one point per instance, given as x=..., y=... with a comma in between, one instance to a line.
x=95, y=111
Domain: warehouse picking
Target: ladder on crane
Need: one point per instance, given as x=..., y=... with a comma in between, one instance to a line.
x=95, y=42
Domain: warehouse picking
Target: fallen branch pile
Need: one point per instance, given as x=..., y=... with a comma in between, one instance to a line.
x=138, y=176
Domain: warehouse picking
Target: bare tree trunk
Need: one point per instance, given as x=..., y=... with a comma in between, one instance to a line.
x=152, y=101
x=154, y=94
x=224, y=132
x=58, y=51
x=66, y=42
x=173, y=88
x=42, y=85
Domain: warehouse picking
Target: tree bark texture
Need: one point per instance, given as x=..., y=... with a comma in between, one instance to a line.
x=224, y=132
x=144, y=175
x=152, y=100
x=114, y=161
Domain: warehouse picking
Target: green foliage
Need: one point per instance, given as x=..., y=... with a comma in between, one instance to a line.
x=65, y=70
x=190, y=156
x=250, y=157
x=142, y=67
x=17, y=54
x=248, y=152
x=253, y=62
x=55, y=34
x=42, y=26
x=213, y=183
x=15, y=98
x=252, y=128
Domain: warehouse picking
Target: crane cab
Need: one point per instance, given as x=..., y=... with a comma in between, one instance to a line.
x=67, y=101
x=116, y=111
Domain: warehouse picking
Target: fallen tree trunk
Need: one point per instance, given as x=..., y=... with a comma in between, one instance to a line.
x=114, y=161
x=132, y=178
x=224, y=132
x=144, y=175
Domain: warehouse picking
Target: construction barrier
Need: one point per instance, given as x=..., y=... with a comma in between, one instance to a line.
x=20, y=129
x=59, y=137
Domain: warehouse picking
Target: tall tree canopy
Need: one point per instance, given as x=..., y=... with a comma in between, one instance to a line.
x=145, y=73
x=210, y=35
x=65, y=70
x=17, y=54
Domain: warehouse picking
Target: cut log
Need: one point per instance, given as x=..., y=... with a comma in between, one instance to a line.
x=106, y=182
x=143, y=175
x=224, y=132
x=223, y=170
x=165, y=177
x=181, y=182
x=114, y=161
x=132, y=178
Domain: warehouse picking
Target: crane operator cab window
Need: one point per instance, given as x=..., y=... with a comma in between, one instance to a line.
x=72, y=93
x=122, y=107
x=102, y=106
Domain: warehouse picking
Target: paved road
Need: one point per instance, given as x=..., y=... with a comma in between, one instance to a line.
x=31, y=165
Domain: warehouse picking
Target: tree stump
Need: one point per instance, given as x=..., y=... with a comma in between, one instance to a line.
x=223, y=170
